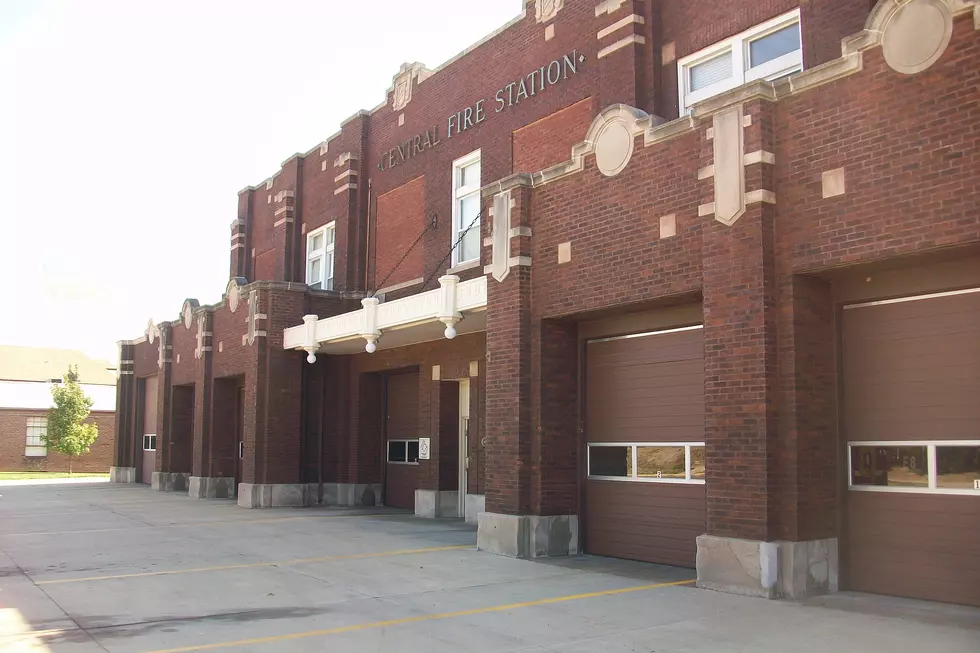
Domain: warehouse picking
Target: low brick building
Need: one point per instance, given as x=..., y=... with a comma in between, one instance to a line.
x=26, y=377
x=681, y=281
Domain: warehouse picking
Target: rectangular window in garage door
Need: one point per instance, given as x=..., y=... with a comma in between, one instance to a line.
x=648, y=462
x=938, y=467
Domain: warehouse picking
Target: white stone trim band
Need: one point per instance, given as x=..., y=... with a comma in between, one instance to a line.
x=619, y=24
x=620, y=44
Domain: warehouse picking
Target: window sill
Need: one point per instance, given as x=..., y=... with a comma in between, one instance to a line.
x=462, y=267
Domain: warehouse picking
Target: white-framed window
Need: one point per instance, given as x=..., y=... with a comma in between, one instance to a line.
x=647, y=462
x=466, y=208
x=405, y=452
x=922, y=466
x=149, y=442
x=319, y=257
x=37, y=429
x=767, y=51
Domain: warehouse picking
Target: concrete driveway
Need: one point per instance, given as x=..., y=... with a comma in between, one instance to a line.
x=125, y=569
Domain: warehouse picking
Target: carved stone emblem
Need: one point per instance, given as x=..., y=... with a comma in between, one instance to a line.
x=545, y=10
x=403, y=91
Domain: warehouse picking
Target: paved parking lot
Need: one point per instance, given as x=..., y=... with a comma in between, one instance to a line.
x=125, y=569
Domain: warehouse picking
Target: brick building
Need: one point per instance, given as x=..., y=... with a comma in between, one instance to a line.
x=26, y=376
x=681, y=281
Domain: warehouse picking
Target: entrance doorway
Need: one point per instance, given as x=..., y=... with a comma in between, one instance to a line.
x=464, y=447
x=453, y=443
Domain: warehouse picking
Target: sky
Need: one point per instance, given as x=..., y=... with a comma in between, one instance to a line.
x=128, y=128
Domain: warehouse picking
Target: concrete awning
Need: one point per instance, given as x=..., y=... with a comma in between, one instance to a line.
x=453, y=308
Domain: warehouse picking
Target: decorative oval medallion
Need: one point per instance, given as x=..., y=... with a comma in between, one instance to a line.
x=916, y=35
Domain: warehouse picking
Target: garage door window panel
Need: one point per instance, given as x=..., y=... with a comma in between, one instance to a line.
x=647, y=462
x=957, y=467
x=661, y=462
x=938, y=467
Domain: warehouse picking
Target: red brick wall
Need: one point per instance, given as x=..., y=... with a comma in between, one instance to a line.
x=769, y=333
x=184, y=344
x=549, y=140
x=13, y=438
x=401, y=220
x=909, y=146
x=613, y=225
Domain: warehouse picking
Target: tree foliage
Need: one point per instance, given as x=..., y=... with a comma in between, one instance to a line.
x=67, y=431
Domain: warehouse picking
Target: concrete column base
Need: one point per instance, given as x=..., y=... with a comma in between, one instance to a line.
x=793, y=570
x=122, y=474
x=350, y=494
x=287, y=495
x=434, y=504
x=475, y=504
x=169, y=481
x=527, y=536
x=213, y=487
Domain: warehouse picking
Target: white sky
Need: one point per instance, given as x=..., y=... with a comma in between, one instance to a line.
x=128, y=127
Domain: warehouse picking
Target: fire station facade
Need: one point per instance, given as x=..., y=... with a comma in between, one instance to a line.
x=678, y=281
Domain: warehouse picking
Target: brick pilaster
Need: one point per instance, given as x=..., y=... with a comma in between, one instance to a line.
x=125, y=408
x=203, y=404
x=509, y=364
x=740, y=346
x=625, y=43
x=241, y=237
x=164, y=398
x=284, y=233
x=275, y=436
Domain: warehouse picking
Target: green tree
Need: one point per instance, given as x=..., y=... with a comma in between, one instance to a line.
x=67, y=431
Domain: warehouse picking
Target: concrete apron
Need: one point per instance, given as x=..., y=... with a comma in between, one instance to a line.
x=122, y=474
x=444, y=504
x=295, y=495
x=528, y=536
x=205, y=487
x=793, y=570
x=170, y=481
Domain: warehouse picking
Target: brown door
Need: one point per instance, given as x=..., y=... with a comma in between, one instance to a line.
x=911, y=413
x=645, y=493
x=402, y=437
x=149, y=440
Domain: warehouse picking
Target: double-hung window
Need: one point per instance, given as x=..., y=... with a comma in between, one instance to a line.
x=37, y=429
x=767, y=51
x=319, y=258
x=466, y=208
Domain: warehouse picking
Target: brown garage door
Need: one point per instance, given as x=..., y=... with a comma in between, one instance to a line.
x=402, y=434
x=645, y=497
x=148, y=441
x=911, y=406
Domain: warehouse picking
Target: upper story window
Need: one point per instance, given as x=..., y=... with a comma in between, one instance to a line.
x=766, y=51
x=466, y=208
x=319, y=258
x=37, y=429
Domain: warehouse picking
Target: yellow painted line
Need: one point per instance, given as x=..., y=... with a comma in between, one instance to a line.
x=223, y=522
x=253, y=565
x=412, y=620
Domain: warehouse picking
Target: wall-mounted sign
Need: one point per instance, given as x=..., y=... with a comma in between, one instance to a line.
x=423, y=448
x=531, y=85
